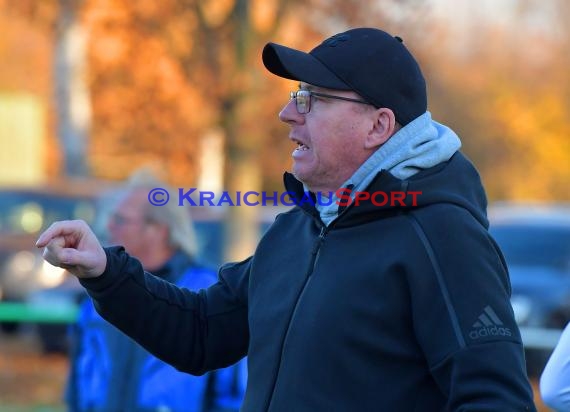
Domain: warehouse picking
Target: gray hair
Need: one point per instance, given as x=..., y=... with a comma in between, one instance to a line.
x=182, y=234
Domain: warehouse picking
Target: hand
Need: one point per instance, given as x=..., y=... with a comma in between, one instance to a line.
x=72, y=245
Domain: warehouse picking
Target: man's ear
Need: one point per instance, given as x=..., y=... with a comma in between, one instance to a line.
x=383, y=127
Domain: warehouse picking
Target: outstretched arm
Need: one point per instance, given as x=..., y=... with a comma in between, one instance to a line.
x=194, y=332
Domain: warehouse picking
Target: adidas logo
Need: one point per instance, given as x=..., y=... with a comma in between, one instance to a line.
x=488, y=324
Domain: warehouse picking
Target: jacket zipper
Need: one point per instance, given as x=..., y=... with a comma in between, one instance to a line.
x=314, y=259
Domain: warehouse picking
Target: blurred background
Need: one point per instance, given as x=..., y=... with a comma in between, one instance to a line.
x=92, y=90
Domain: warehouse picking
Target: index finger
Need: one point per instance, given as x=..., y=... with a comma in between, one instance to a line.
x=61, y=228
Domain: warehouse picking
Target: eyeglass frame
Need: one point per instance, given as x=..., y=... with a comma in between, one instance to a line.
x=121, y=220
x=310, y=93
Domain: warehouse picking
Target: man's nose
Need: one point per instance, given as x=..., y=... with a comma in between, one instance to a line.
x=289, y=113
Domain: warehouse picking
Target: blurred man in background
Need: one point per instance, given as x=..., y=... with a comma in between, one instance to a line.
x=111, y=372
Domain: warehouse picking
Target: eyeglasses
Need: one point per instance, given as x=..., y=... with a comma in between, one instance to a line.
x=303, y=99
x=122, y=220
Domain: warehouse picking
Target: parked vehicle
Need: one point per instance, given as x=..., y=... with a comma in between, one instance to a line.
x=535, y=240
x=26, y=211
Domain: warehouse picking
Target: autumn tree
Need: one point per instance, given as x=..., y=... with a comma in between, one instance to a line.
x=56, y=22
x=71, y=87
x=506, y=92
x=165, y=74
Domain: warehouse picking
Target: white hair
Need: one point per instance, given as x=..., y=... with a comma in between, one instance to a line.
x=181, y=230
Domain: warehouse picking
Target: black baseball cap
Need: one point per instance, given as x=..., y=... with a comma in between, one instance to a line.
x=368, y=61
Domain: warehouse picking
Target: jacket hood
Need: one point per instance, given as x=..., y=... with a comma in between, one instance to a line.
x=455, y=181
x=420, y=145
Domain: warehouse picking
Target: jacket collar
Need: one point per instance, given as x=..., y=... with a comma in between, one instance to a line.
x=455, y=182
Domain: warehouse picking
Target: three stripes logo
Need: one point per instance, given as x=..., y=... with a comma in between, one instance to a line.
x=488, y=324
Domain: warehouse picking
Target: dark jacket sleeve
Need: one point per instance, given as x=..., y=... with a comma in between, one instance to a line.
x=194, y=332
x=464, y=322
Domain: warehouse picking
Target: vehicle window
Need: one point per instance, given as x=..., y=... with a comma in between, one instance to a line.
x=28, y=213
x=529, y=245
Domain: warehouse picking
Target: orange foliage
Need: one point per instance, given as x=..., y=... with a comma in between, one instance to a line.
x=161, y=77
x=511, y=104
x=162, y=74
x=145, y=110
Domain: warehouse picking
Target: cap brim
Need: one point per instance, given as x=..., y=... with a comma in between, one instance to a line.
x=297, y=65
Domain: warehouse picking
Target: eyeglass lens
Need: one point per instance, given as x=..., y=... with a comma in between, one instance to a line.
x=302, y=101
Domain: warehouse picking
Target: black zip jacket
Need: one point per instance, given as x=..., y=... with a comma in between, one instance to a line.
x=389, y=308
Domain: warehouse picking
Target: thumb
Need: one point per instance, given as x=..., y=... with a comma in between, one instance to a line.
x=71, y=257
x=56, y=253
x=82, y=264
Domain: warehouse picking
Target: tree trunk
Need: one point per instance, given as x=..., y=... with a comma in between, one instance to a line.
x=71, y=89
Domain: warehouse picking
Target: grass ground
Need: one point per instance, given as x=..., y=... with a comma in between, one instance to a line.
x=30, y=381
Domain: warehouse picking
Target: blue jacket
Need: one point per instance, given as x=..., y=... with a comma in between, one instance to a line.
x=391, y=307
x=110, y=372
